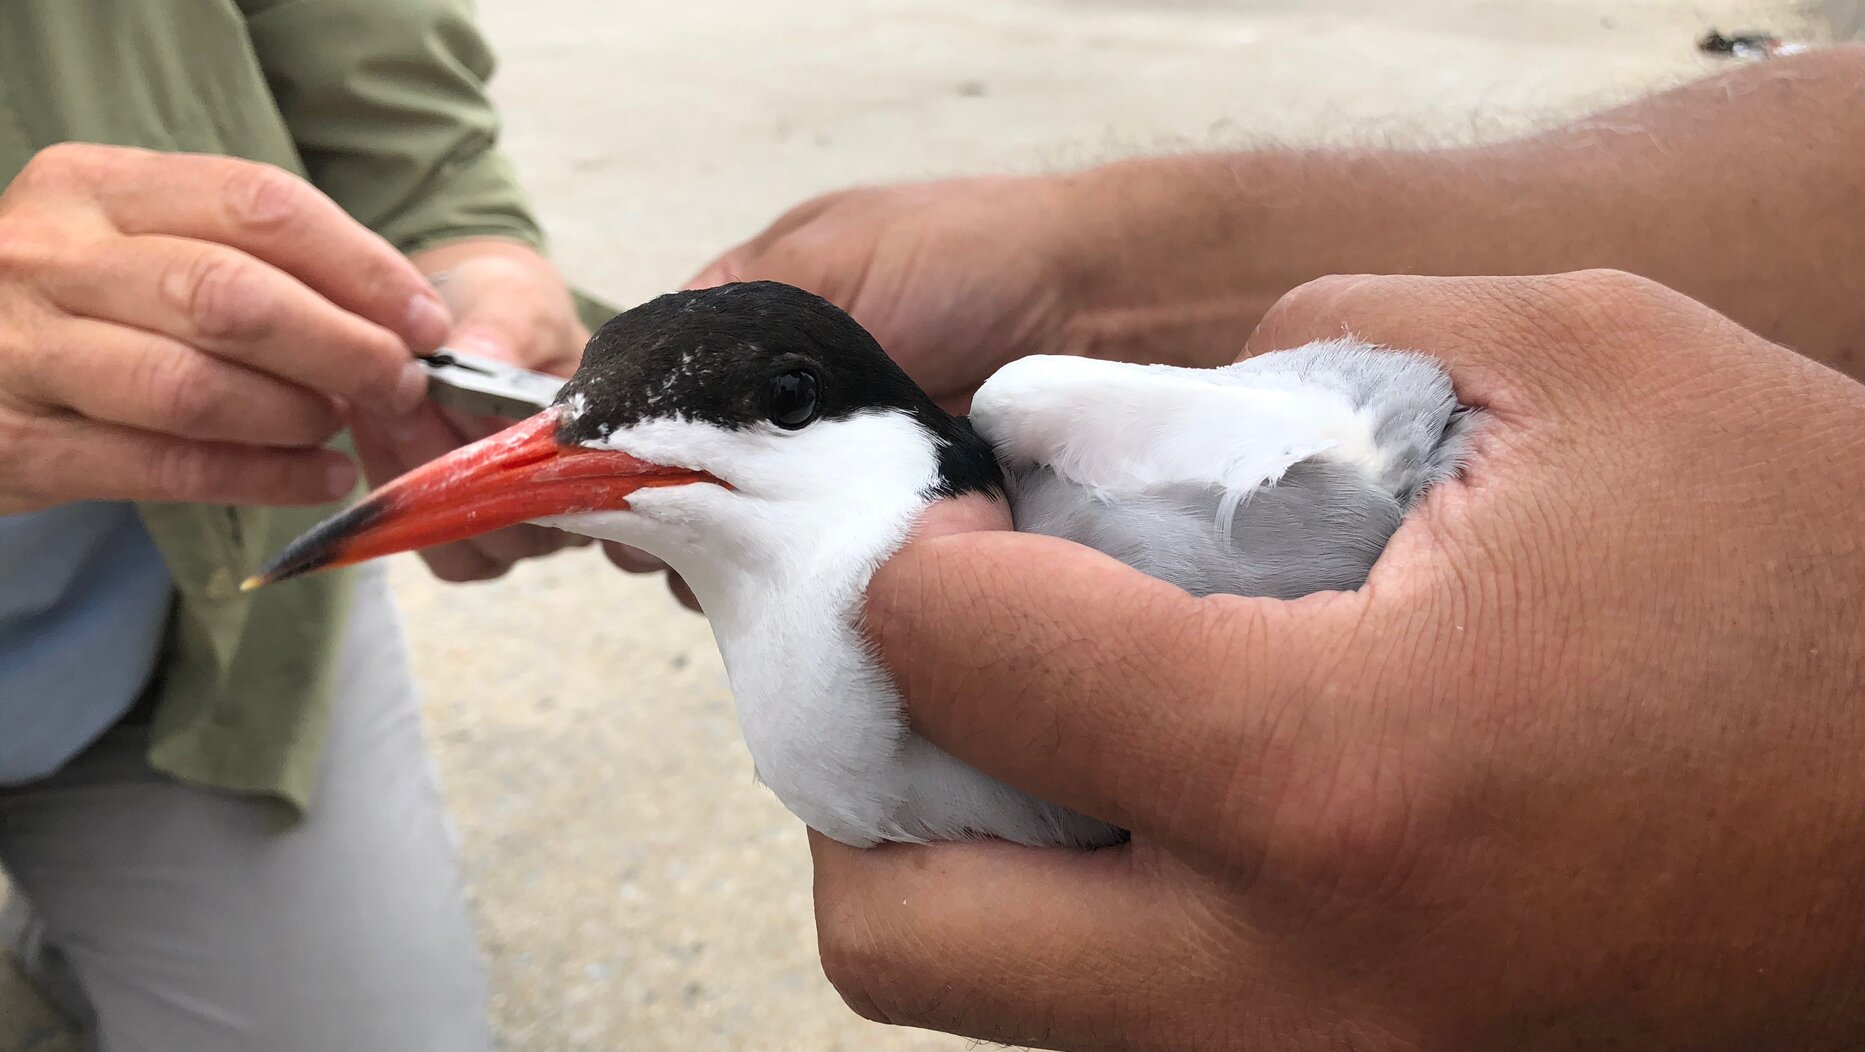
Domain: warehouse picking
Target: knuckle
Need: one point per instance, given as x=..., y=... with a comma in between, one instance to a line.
x=26, y=252
x=856, y=952
x=47, y=258
x=1328, y=288
x=30, y=375
x=1606, y=281
x=181, y=390
x=37, y=355
x=853, y=965
x=309, y=420
x=391, y=282
x=185, y=472
x=900, y=975
x=1591, y=301
x=1305, y=312
x=19, y=434
x=220, y=294
x=381, y=357
x=1600, y=299
x=36, y=239
x=261, y=198
x=62, y=164
x=1595, y=319
x=857, y=996
x=36, y=466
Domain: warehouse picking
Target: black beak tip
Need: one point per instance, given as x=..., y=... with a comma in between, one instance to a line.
x=296, y=560
x=317, y=548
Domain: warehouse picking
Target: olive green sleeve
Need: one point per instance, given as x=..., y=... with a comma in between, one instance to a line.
x=386, y=101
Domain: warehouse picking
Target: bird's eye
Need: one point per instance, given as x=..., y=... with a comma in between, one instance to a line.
x=793, y=399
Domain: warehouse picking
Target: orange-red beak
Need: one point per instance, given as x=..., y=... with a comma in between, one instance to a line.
x=519, y=474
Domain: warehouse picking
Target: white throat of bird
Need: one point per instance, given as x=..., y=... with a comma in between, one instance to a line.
x=780, y=561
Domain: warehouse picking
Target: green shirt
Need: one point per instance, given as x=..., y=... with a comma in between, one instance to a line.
x=382, y=105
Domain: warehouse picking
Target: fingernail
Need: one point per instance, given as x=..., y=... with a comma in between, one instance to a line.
x=426, y=325
x=411, y=388
x=341, y=478
x=486, y=346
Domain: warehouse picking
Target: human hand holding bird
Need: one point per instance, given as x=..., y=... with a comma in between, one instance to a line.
x=1576, y=768
x=1577, y=698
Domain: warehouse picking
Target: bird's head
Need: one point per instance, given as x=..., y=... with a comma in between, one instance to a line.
x=743, y=429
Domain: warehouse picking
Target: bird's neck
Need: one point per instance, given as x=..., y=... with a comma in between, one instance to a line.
x=819, y=713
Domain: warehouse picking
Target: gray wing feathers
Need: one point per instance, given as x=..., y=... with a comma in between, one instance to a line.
x=1320, y=526
x=1420, y=422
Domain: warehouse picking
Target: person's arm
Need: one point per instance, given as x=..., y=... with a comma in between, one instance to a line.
x=1745, y=191
x=1577, y=768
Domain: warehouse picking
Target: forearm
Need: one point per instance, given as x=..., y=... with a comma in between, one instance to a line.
x=1745, y=191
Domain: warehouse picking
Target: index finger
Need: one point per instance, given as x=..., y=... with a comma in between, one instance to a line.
x=264, y=212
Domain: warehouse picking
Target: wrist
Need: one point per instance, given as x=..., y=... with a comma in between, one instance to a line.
x=1151, y=262
x=1188, y=253
x=1182, y=256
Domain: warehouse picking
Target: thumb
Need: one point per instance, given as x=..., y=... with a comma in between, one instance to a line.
x=1089, y=684
x=511, y=330
x=515, y=312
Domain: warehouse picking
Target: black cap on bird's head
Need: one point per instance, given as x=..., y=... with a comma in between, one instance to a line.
x=757, y=356
x=749, y=354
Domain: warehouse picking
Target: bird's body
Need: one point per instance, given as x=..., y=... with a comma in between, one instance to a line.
x=758, y=441
x=1279, y=476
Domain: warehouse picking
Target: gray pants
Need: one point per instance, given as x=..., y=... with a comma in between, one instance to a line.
x=188, y=926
